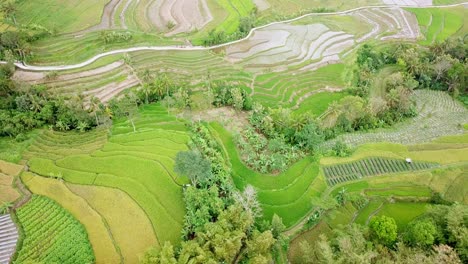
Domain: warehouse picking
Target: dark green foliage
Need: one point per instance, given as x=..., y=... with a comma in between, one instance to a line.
x=341, y=149
x=194, y=166
x=25, y=108
x=421, y=233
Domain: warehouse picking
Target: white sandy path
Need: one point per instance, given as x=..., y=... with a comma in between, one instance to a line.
x=261, y=4
x=419, y=3
x=189, y=48
x=187, y=15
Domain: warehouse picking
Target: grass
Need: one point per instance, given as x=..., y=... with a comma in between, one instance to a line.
x=288, y=195
x=12, y=150
x=99, y=236
x=437, y=24
x=139, y=164
x=60, y=15
x=52, y=235
x=403, y=212
x=318, y=103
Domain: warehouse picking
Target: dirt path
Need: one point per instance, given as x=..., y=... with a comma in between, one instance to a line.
x=189, y=48
x=374, y=213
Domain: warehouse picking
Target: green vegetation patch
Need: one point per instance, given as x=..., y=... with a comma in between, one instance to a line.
x=52, y=235
x=438, y=24
x=61, y=16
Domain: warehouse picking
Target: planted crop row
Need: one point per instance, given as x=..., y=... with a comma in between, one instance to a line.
x=52, y=235
x=369, y=167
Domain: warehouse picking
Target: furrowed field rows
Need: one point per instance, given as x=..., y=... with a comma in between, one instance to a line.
x=52, y=235
x=106, y=214
x=339, y=173
x=288, y=195
x=156, y=189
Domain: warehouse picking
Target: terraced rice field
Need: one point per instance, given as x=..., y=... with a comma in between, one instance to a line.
x=8, y=238
x=8, y=173
x=288, y=195
x=106, y=213
x=439, y=24
x=52, y=235
x=339, y=173
x=69, y=16
x=307, y=45
x=150, y=151
x=104, y=82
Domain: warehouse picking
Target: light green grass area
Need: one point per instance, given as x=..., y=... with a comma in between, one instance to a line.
x=69, y=49
x=287, y=194
x=52, y=235
x=363, y=216
x=12, y=150
x=438, y=24
x=403, y=212
x=318, y=103
x=138, y=163
x=290, y=88
x=61, y=15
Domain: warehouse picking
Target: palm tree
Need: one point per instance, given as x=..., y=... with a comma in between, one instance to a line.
x=146, y=89
x=82, y=126
x=5, y=207
x=9, y=9
x=62, y=126
x=94, y=106
x=331, y=115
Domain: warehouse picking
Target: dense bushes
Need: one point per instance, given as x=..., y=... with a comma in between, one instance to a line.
x=219, y=223
x=439, y=236
x=23, y=108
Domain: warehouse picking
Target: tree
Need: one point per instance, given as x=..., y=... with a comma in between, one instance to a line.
x=310, y=137
x=164, y=256
x=277, y=226
x=421, y=233
x=384, y=229
x=237, y=99
x=248, y=200
x=193, y=165
x=128, y=107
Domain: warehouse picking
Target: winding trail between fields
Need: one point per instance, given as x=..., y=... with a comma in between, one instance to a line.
x=26, y=67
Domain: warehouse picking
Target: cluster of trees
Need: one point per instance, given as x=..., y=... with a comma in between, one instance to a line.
x=110, y=37
x=15, y=41
x=246, y=24
x=220, y=223
x=24, y=107
x=439, y=236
